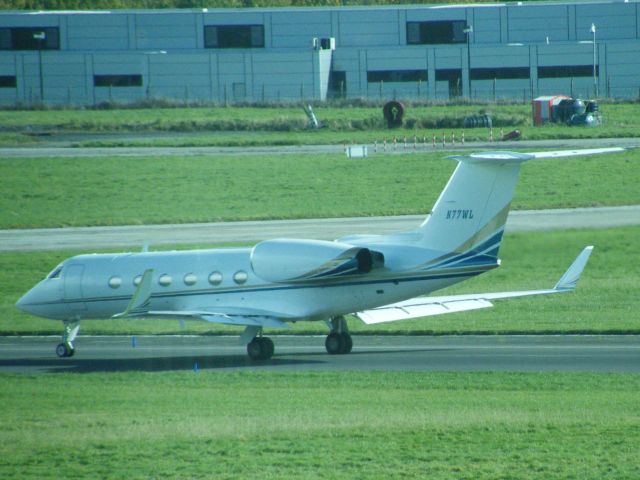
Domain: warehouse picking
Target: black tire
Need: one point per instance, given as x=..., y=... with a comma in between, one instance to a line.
x=64, y=350
x=347, y=343
x=267, y=348
x=260, y=348
x=254, y=349
x=334, y=343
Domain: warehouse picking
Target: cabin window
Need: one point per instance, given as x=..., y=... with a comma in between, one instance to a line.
x=115, y=281
x=136, y=280
x=215, y=278
x=240, y=277
x=164, y=280
x=190, y=279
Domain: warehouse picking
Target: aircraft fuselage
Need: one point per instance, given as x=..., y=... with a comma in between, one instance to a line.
x=219, y=280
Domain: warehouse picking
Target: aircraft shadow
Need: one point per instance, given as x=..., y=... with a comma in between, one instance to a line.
x=189, y=362
x=147, y=364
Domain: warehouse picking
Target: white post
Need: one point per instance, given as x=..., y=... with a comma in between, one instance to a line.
x=595, y=77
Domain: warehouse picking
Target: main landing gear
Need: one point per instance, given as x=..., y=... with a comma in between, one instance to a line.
x=339, y=341
x=66, y=348
x=260, y=348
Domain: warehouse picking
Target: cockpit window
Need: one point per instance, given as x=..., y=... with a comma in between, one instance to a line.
x=55, y=273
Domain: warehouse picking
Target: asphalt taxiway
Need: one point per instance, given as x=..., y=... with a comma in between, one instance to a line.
x=324, y=229
x=524, y=353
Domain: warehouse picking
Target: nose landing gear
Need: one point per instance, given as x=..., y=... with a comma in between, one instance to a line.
x=66, y=348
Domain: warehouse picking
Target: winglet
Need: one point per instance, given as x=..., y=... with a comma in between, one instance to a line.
x=569, y=280
x=139, y=304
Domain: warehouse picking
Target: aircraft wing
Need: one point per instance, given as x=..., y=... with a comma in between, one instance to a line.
x=428, y=306
x=247, y=320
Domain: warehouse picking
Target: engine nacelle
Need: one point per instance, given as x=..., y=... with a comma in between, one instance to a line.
x=291, y=260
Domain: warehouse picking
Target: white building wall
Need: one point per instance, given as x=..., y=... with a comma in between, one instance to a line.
x=167, y=49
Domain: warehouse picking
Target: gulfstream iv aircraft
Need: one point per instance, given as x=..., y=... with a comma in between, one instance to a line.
x=376, y=278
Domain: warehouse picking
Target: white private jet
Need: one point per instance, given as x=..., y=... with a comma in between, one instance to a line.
x=376, y=278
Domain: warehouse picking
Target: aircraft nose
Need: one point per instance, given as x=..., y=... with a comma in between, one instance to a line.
x=43, y=300
x=25, y=303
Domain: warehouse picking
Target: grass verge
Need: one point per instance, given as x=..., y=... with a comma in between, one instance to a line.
x=141, y=190
x=606, y=300
x=245, y=126
x=328, y=425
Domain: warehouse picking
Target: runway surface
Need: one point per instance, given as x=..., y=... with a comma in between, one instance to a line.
x=80, y=238
x=525, y=353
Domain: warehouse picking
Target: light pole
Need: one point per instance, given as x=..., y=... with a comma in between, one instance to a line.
x=595, y=77
x=468, y=31
x=40, y=37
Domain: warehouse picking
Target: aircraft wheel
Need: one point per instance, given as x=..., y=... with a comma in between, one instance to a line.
x=338, y=343
x=347, y=343
x=267, y=348
x=260, y=348
x=65, y=350
x=334, y=343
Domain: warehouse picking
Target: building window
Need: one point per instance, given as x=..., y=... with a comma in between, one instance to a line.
x=432, y=33
x=448, y=75
x=8, y=81
x=117, y=80
x=566, y=71
x=500, y=73
x=376, y=76
x=234, y=36
x=30, y=38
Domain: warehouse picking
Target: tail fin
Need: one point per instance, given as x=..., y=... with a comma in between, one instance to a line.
x=469, y=216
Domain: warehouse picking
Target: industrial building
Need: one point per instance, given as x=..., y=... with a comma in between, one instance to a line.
x=483, y=51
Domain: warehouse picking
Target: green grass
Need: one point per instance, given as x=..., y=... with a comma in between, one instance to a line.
x=247, y=126
x=328, y=425
x=606, y=299
x=140, y=190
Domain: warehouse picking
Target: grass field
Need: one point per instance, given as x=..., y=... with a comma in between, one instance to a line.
x=244, y=126
x=124, y=190
x=606, y=299
x=329, y=425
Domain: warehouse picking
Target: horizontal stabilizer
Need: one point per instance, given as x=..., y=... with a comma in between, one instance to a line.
x=428, y=306
x=576, y=153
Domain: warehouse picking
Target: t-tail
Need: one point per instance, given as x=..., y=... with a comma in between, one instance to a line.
x=469, y=217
